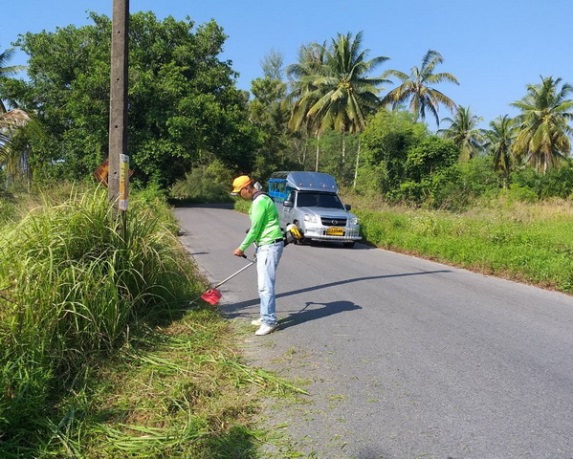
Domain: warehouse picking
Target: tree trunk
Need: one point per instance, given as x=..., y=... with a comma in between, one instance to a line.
x=317, y=150
x=343, y=148
x=357, y=163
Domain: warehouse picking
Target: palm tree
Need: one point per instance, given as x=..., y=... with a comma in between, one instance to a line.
x=543, y=130
x=5, y=71
x=339, y=94
x=500, y=137
x=465, y=134
x=415, y=87
x=346, y=93
x=304, y=94
x=14, y=125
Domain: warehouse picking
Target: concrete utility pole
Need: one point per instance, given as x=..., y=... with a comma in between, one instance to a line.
x=117, y=180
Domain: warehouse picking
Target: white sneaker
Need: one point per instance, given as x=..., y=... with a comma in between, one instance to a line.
x=265, y=329
x=257, y=322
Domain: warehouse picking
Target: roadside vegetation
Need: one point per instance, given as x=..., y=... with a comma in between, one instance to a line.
x=336, y=109
x=107, y=350
x=524, y=242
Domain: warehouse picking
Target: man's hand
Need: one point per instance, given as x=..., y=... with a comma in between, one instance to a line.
x=239, y=253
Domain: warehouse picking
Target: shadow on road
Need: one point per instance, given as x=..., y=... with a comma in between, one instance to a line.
x=327, y=309
x=232, y=310
x=358, y=279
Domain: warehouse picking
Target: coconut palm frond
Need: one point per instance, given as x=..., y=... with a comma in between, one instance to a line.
x=416, y=87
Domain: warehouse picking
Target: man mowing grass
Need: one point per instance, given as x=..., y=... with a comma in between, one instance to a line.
x=266, y=233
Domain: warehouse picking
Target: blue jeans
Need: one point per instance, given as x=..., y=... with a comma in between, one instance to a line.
x=268, y=257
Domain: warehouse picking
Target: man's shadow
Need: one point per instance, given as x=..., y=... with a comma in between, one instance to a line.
x=327, y=309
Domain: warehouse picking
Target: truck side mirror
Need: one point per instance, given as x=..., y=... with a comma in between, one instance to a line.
x=287, y=203
x=347, y=206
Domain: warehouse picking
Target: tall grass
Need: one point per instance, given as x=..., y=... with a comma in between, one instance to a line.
x=73, y=282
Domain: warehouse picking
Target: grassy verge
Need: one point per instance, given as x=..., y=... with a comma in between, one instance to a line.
x=180, y=390
x=106, y=349
x=529, y=243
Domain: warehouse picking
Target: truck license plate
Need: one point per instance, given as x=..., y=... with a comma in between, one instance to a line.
x=335, y=231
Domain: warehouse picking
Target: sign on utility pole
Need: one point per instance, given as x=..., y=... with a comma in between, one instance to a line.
x=118, y=178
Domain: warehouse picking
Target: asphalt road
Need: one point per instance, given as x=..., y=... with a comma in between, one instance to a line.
x=403, y=358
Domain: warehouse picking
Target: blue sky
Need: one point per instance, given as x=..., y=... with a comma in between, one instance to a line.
x=494, y=47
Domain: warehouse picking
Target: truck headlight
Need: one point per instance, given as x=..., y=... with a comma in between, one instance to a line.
x=310, y=218
x=354, y=221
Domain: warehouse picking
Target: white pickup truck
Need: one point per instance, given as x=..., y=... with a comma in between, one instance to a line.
x=310, y=201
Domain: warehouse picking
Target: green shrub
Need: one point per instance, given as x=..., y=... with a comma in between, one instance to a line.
x=518, y=192
x=557, y=182
x=458, y=186
x=409, y=191
x=8, y=209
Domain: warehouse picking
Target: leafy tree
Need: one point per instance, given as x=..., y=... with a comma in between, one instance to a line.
x=458, y=186
x=269, y=113
x=273, y=65
x=429, y=155
x=205, y=183
x=330, y=159
x=416, y=88
x=500, y=139
x=543, y=131
x=183, y=105
x=463, y=131
x=385, y=144
x=426, y=158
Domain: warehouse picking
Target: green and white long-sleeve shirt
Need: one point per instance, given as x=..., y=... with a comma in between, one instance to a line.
x=265, y=227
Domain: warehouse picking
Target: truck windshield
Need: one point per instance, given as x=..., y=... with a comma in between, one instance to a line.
x=331, y=201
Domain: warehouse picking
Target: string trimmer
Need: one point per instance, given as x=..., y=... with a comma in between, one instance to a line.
x=212, y=296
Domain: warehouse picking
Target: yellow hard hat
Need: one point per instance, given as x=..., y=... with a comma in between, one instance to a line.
x=241, y=182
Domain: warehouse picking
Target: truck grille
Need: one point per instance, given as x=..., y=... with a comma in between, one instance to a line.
x=333, y=221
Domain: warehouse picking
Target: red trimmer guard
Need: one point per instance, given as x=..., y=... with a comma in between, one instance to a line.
x=211, y=296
